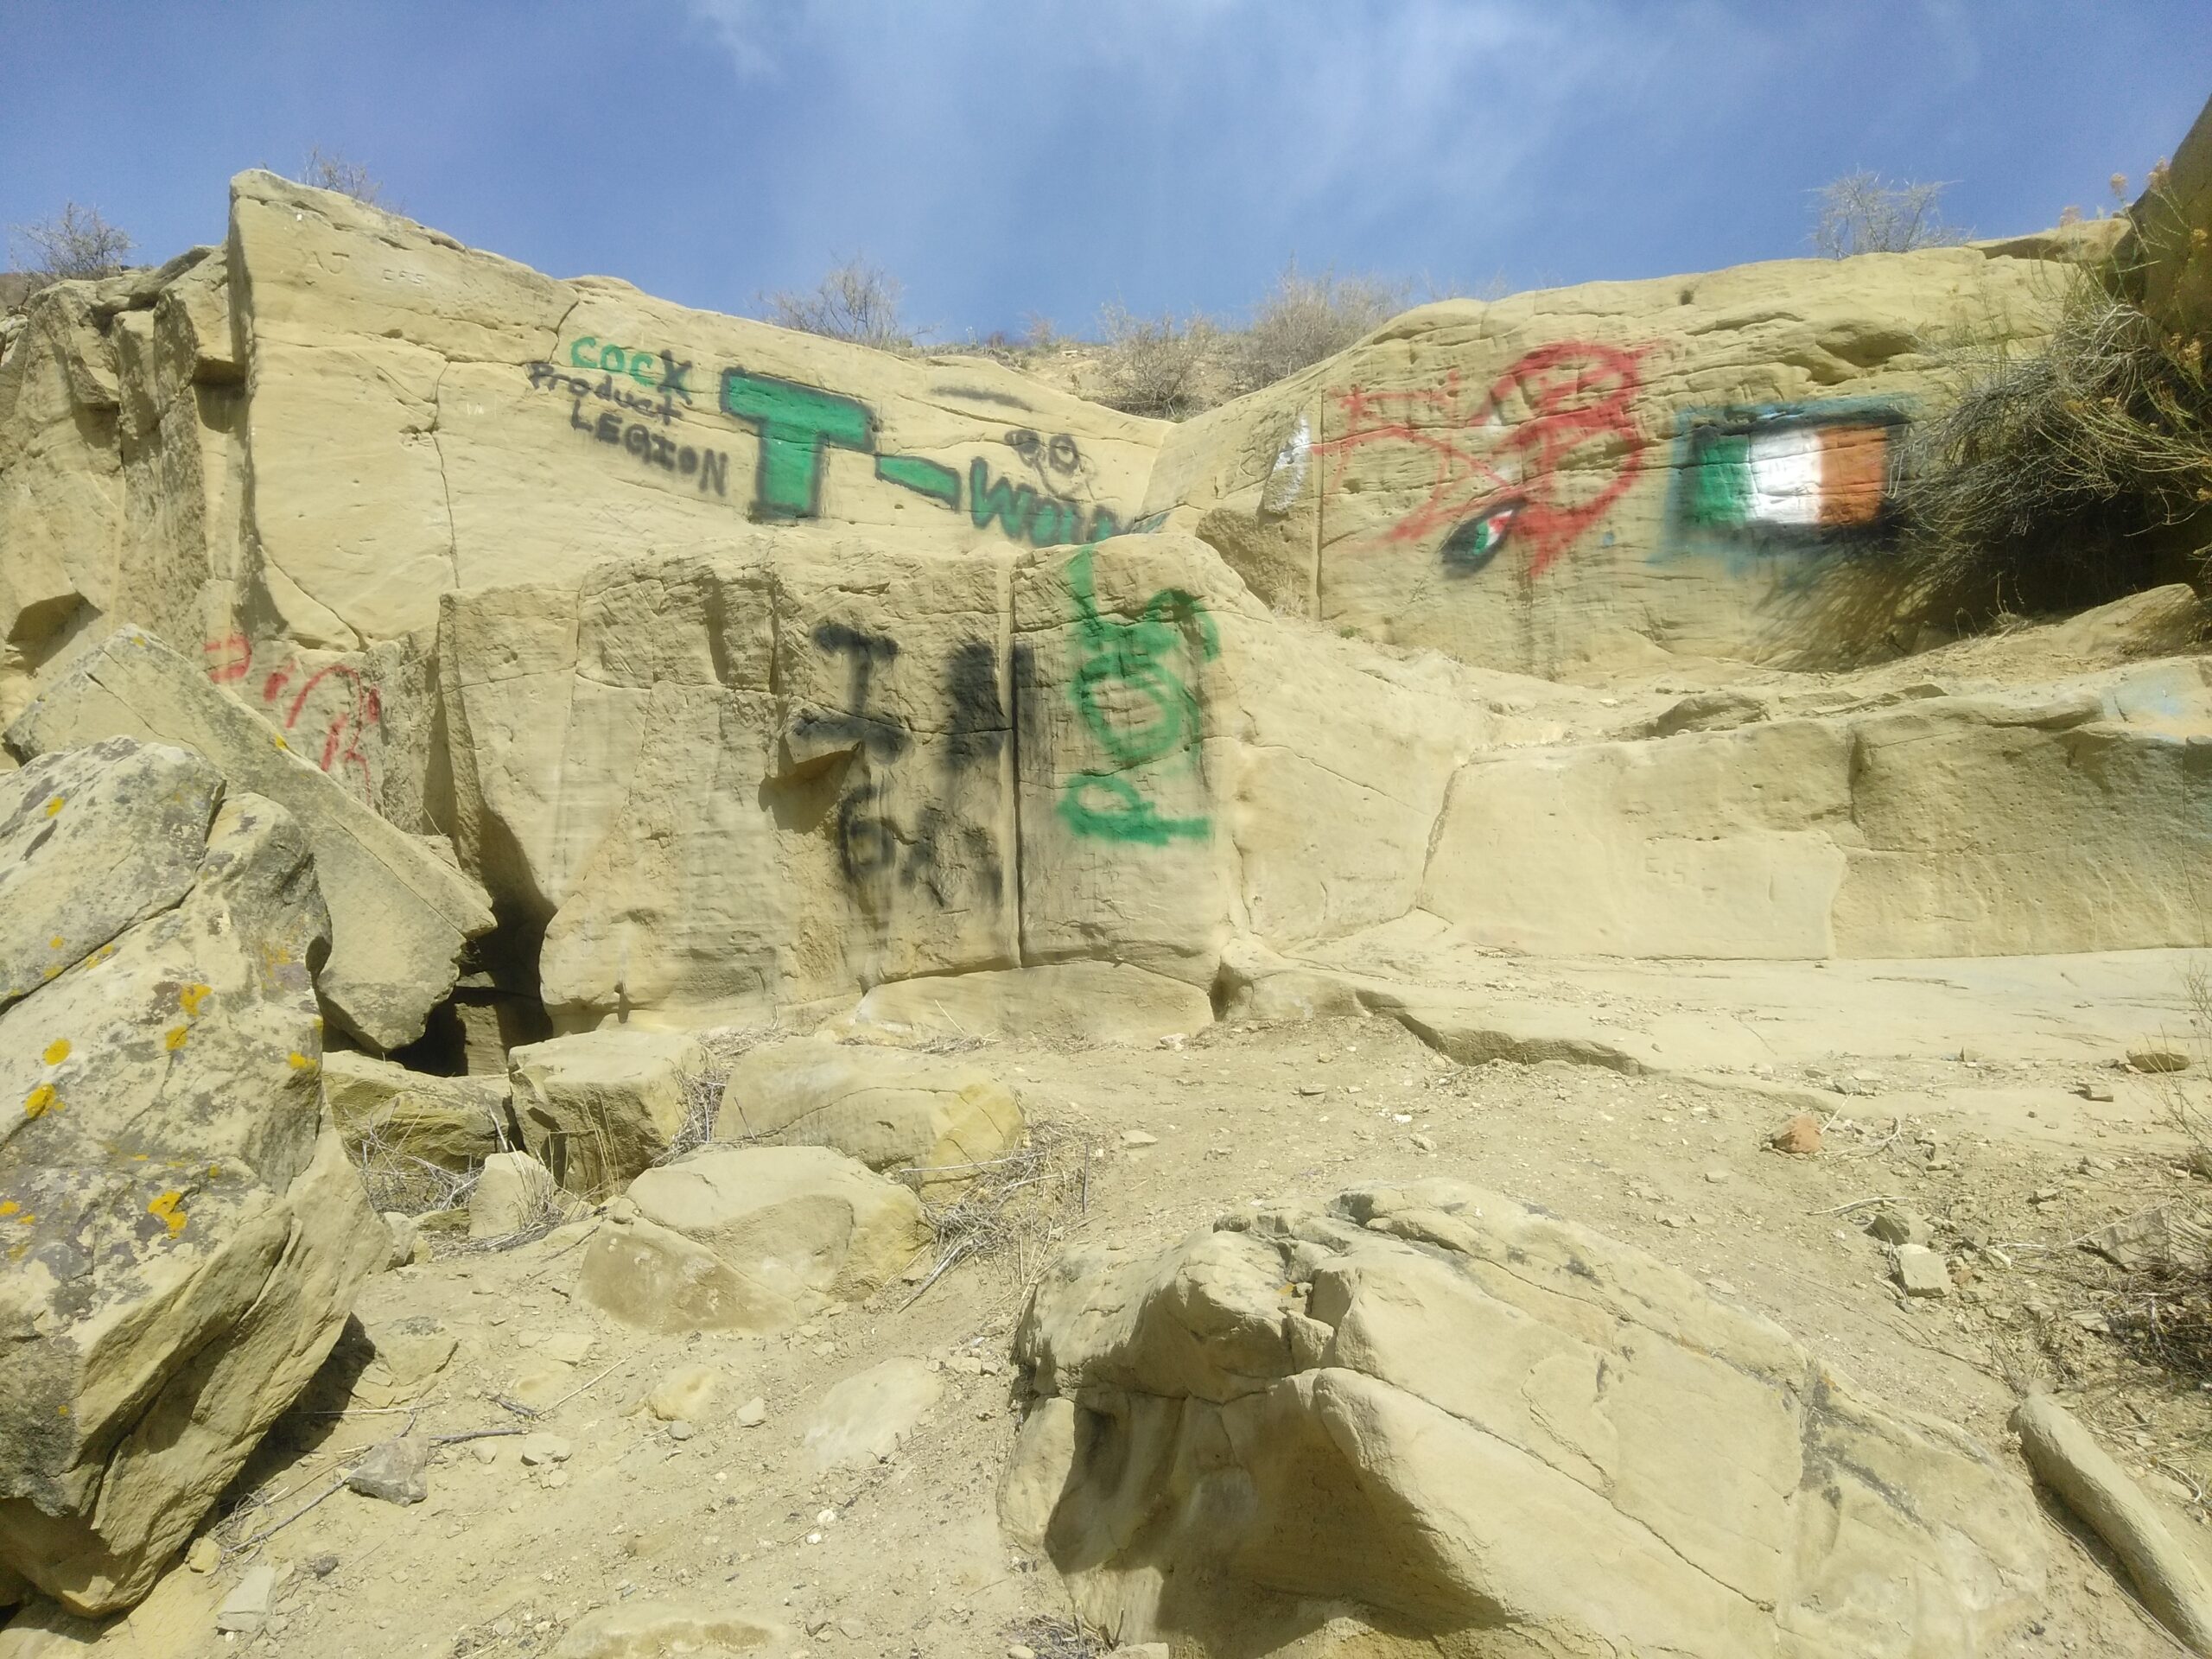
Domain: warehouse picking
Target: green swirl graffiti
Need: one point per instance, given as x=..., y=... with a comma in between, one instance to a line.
x=1121, y=666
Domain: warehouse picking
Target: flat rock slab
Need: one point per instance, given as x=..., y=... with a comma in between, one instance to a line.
x=866, y=1418
x=399, y=914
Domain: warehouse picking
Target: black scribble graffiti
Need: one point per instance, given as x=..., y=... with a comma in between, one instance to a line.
x=1059, y=455
x=876, y=734
x=980, y=395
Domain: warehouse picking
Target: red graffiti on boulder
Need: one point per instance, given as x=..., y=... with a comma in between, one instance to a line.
x=1540, y=457
x=230, y=660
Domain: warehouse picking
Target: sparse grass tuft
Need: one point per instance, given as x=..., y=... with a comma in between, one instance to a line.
x=1018, y=1210
x=397, y=1179
x=1158, y=365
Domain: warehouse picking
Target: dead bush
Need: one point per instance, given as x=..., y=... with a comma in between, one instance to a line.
x=2061, y=478
x=325, y=169
x=396, y=1178
x=76, y=244
x=1306, y=318
x=1017, y=1209
x=1157, y=366
x=1860, y=212
x=857, y=300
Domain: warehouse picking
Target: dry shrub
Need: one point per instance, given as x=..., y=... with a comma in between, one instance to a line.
x=2063, y=478
x=397, y=1179
x=326, y=169
x=1306, y=318
x=1018, y=1208
x=1157, y=366
x=76, y=244
x=857, y=300
x=1861, y=213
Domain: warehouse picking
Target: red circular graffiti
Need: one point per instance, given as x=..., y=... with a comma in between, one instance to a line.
x=1579, y=425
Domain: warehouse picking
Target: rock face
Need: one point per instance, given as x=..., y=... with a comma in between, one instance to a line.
x=1697, y=465
x=1455, y=1420
x=917, y=1118
x=399, y=913
x=750, y=672
x=749, y=1239
x=598, y=1107
x=183, y=1233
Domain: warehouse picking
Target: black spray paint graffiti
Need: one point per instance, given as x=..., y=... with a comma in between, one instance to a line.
x=710, y=468
x=939, y=853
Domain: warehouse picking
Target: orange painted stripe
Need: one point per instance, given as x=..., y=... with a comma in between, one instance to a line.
x=1854, y=474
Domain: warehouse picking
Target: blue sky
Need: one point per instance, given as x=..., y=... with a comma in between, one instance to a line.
x=1048, y=157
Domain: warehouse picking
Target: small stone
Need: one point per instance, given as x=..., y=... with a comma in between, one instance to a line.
x=752, y=1414
x=2094, y=1090
x=2157, y=1060
x=554, y=1480
x=1800, y=1136
x=1021, y=1650
x=2043, y=1195
x=1425, y=1143
x=485, y=1452
x=1920, y=1271
x=967, y=1364
x=1716, y=1176
x=1900, y=1227
x=567, y=1347
x=685, y=1392
x=541, y=1448
x=323, y=1566
x=680, y=1430
x=1310, y=1090
x=394, y=1470
x=1139, y=1138
x=247, y=1606
x=205, y=1555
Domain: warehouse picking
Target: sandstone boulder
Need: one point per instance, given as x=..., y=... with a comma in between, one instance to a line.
x=923, y=1119
x=514, y=1196
x=598, y=1107
x=1450, y=1419
x=399, y=913
x=184, y=1235
x=453, y=1122
x=749, y=1239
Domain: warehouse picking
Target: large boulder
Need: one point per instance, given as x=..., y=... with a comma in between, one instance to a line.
x=184, y=1235
x=400, y=914
x=1452, y=1423
x=388, y=1110
x=924, y=1119
x=598, y=1107
x=749, y=1239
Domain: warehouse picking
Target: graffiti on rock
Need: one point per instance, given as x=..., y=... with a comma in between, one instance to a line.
x=1286, y=477
x=345, y=704
x=708, y=468
x=1539, y=458
x=936, y=850
x=1132, y=688
x=663, y=371
x=1784, y=478
x=797, y=425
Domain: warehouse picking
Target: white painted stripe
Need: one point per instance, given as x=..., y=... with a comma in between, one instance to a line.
x=1786, y=476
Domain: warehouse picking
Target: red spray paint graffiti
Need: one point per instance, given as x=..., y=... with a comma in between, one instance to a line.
x=230, y=660
x=1542, y=477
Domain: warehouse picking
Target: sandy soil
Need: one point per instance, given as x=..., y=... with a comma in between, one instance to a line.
x=903, y=1556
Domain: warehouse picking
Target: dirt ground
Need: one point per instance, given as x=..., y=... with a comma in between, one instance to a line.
x=903, y=1556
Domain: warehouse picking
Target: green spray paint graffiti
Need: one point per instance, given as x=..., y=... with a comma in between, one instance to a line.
x=799, y=425
x=1137, y=706
x=796, y=424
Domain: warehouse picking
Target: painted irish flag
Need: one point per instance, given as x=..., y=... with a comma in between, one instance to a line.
x=1789, y=471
